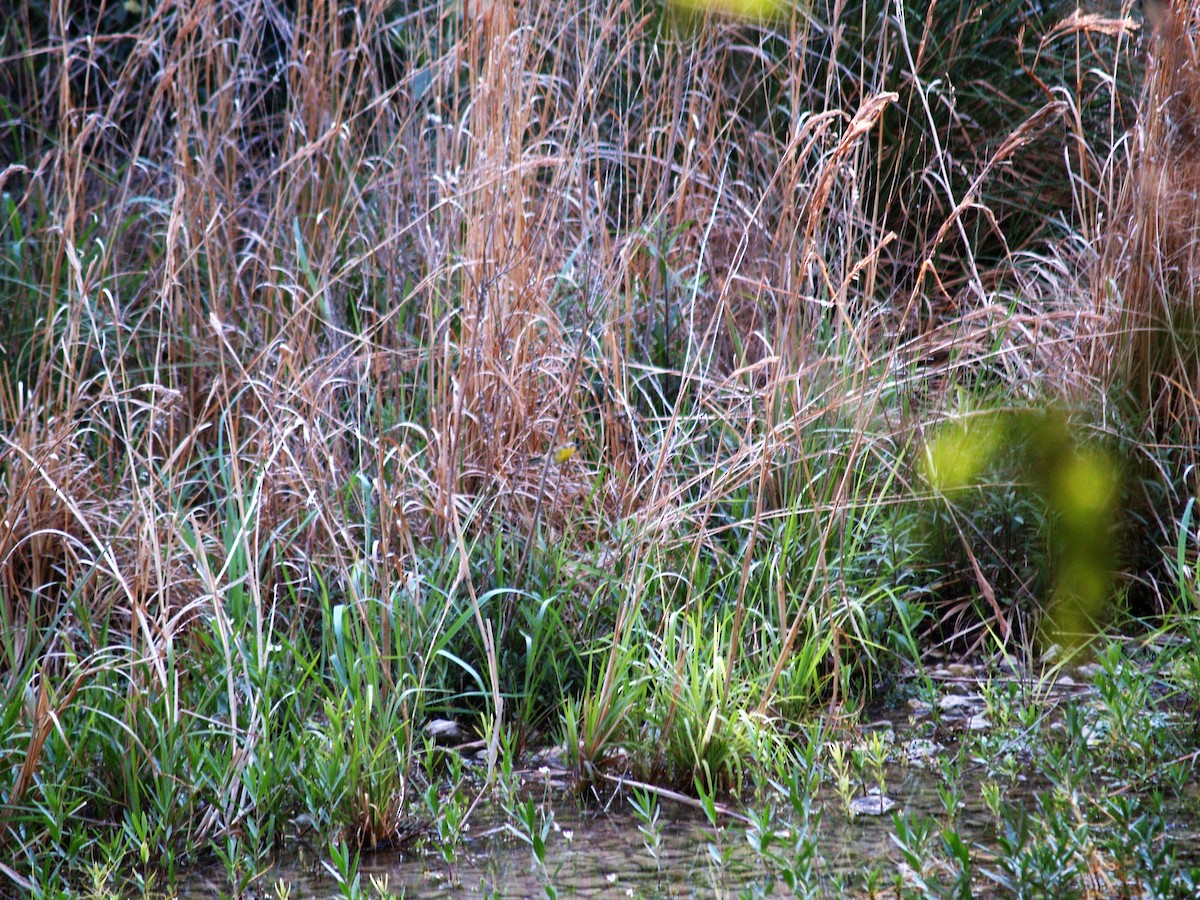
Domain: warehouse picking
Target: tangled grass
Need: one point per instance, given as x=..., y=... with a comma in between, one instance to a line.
x=298, y=301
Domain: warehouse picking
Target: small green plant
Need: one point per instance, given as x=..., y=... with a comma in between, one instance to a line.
x=446, y=811
x=1041, y=853
x=913, y=837
x=598, y=725
x=241, y=868
x=701, y=710
x=989, y=791
x=873, y=757
x=645, y=804
x=840, y=765
x=949, y=788
x=342, y=866
x=531, y=824
x=959, y=854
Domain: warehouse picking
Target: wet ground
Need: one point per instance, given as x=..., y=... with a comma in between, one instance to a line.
x=594, y=851
x=598, y=850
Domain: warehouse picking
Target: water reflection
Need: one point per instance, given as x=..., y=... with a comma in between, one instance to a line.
x=598, y=852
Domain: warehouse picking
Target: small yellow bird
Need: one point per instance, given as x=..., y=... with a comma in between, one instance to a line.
x=562, y=454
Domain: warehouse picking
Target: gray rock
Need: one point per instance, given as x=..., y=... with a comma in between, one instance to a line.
x=443, y=732
x=872, y=804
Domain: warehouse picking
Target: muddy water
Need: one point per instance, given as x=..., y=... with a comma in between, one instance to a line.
x=601, y=852
x=594, y=852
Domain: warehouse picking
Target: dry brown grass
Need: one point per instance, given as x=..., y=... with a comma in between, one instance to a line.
x=1152, y=263
x=328, y=286
x=1145, y=285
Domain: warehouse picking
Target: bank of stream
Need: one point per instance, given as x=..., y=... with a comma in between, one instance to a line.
x=1077, y=783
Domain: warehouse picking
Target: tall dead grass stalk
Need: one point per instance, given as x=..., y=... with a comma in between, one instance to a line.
x=1152, y=263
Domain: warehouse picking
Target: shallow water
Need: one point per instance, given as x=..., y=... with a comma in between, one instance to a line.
x=592, y=852
x=595, y=851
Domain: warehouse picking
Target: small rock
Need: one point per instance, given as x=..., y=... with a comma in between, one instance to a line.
x=550, y=757
x=873, y=804
x=919, y=749
x=961, y=670
x=954, y=701
x=978, y=723
x=1089, y=671
x=443, y=732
